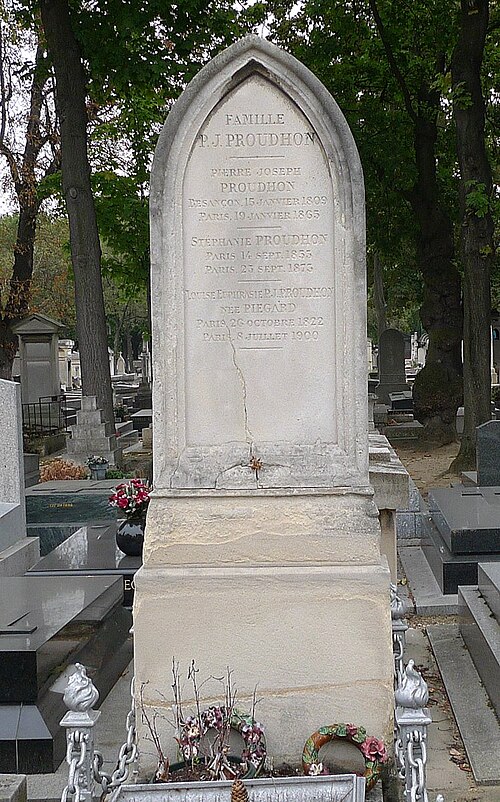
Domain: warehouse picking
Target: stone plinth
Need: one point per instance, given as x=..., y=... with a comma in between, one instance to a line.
x=262, y=547
x=91, y=435
x=390, y=481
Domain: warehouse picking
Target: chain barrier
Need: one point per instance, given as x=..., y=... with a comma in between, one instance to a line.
x=126, y=755
x=76, y=753
x=417, y=760
x=411, y=718
x=85, y=762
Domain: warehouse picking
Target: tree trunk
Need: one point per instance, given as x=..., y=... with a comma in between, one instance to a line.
x=477, y=247
x=84, y=237
x=25, y=185
x=17, y=305
x=378, y=294
x=437, y=391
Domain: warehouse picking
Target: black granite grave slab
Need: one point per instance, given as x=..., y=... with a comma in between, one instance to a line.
x=488, y=453
x=468, y=518
x=69, y=501
x=91, y=551
x=33, y=610
x=141, y=419
x=450, y=570
x=401, y=402
x=51, y=535
x=72, y=619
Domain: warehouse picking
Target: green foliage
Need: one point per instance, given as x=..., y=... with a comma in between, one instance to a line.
x=476, y=199
x=52, y=291
x=122, y=215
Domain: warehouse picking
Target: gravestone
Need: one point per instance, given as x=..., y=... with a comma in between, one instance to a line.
x=39, y=357
x=17, y=551
x=92, y=435
x=391, y=362
x=488, y=453
x=262, y=548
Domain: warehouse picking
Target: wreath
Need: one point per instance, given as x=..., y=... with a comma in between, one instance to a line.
x=217, y=718
x=372, y=749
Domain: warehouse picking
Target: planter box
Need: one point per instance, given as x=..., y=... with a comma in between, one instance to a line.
x=332, y=788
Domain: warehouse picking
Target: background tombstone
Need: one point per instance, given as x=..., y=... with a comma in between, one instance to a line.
x=391, y=365
x=262, y=547
x=488, y=453
x=17, y=551
x=39, y=357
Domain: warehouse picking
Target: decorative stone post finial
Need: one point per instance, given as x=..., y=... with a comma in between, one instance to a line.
x=80, y=694
x=398, y=605
x=413, y=691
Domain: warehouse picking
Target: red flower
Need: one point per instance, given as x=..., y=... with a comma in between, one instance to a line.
x=373, y=749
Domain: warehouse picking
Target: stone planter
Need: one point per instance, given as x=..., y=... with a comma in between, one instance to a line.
x=331, y=788
x=98, y=471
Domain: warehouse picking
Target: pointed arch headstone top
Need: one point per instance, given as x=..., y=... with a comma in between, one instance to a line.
x=258, y=282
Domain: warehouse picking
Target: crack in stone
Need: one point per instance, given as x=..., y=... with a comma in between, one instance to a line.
x=225, y=470
x=270, y=465
x=177, y=464
x=248, y=434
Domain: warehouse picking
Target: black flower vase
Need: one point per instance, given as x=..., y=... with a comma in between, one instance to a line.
x=130, y=535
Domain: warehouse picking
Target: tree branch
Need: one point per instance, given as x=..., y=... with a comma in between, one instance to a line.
x=13, y=167
x=392, y=61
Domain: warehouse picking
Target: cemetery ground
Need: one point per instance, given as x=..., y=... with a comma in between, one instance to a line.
x=428, y=465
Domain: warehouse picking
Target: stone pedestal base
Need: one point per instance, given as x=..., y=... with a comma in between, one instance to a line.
x=307, y=624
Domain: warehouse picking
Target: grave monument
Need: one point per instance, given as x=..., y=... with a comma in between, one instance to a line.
x=391, y=361
x=17, y=551
x=38, y=357
x=262, y=548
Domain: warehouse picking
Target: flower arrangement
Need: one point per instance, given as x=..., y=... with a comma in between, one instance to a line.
x=95, y=460
x=221, y=720
x=132, y=497
x=58, y=468
x=203, y=737
x=373, y=750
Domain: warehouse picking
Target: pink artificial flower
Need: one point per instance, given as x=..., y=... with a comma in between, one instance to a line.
x=352, y=730
x=373, y=749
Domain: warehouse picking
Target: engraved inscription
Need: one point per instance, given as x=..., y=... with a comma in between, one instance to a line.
x=258, y=269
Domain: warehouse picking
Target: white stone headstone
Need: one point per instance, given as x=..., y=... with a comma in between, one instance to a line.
x=262, y=547
x=258, y=271
x=12, y=509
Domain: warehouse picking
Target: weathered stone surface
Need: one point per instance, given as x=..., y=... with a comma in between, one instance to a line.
x=13, y=788
x=262, y=547
x=232, y=528
x=258, y=281
x=304, y=636
x=286, y=789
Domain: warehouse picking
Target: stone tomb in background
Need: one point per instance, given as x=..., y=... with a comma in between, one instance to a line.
x=262, y=547
x=391, y=361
